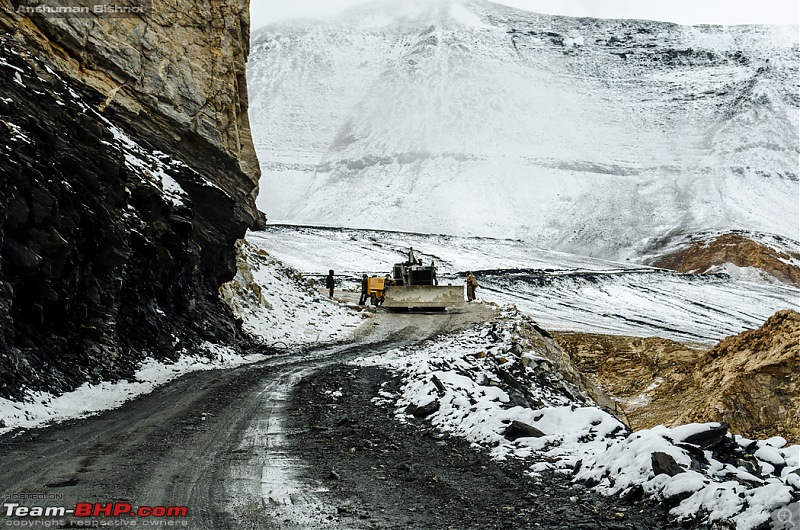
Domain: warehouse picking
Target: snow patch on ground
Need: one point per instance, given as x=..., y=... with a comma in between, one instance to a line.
x=40, y=408
x=477, y=402
x=745, y=274
x=716, y=492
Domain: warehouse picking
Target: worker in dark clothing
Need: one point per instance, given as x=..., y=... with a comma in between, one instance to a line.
x=329, y=283
x=472, y=284
x=364, y=290
x=412, y=260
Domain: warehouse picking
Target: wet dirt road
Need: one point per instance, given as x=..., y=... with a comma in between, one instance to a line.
x=214, y=442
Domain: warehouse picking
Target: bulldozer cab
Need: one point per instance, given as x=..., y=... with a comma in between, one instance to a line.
x=414, y=274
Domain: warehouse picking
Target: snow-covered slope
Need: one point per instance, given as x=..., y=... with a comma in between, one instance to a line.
x=599, y=137
x=278, y=308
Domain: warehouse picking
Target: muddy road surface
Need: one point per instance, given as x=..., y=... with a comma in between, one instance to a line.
x=272, y=445
x=214, y=442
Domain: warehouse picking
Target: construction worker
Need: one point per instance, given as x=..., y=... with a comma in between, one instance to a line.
x=329, y=284
x=364, y=290
x=411, y=258
x=472, y=284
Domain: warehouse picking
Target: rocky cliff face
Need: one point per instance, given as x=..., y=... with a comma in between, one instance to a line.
x=128, y=173
x=751, y=381
x=175, y=75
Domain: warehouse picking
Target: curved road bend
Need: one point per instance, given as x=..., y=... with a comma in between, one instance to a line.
x=211, y=441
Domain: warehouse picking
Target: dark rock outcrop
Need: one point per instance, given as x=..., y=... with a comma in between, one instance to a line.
x=664, y=464
x=124, y=183
x=709, y=437
x=519, y=429
x=423, y=411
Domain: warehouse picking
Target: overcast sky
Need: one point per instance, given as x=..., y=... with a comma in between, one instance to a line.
x=681, y=11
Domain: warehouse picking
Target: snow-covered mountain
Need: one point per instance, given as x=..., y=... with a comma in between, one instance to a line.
x=599, y=137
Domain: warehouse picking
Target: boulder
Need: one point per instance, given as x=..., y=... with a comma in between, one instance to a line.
x=633, y=494
x=663, y=463
x=709, y=437
x=519, y=429
x=422, y=411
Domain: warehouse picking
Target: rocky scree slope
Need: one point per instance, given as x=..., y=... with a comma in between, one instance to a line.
x=748, y=380
x=507, y=386
x=128, y=173
x=608, y=138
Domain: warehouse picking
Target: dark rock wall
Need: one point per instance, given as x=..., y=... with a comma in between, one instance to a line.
x=101, y=264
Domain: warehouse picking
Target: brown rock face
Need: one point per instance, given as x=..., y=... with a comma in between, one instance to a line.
x=751, y=380
x=635, y=372
x=175, y=75
x=703, y=256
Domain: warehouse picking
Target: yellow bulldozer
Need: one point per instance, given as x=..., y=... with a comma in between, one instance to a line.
x=413, y=285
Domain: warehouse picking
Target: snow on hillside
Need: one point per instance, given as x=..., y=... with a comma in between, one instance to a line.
x=561, y=291
x=598, y=137
x=279, y=307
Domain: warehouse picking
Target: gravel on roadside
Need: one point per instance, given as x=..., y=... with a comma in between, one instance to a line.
x=382, y=473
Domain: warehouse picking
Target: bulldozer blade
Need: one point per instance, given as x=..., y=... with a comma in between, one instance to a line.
x=423, y=296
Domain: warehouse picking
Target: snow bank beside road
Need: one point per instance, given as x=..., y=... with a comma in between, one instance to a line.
x=43, y=407
x=279, y=307
x=498, y=386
